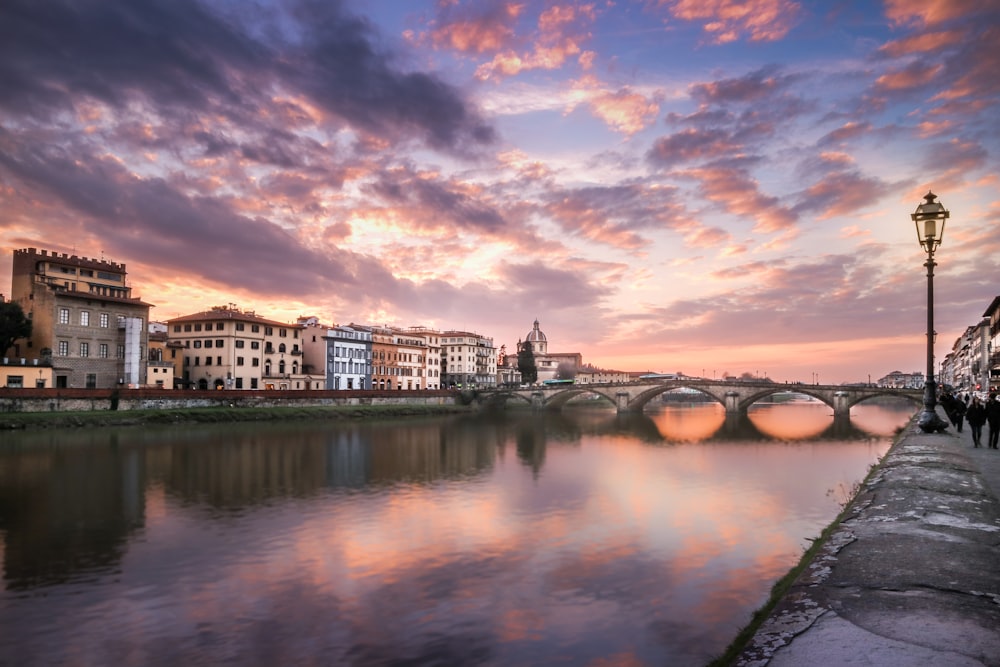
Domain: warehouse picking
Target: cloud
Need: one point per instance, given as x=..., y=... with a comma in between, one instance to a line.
x=841, y=193
x=691, y=145
x=560, y=31
x=729, y=20
x=737, y=193
x=752, y=87
x=481, y=28
x=623, y=110
x=182, y=59
x=614, y=215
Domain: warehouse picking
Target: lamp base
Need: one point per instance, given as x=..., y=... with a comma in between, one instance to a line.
x=930, y=422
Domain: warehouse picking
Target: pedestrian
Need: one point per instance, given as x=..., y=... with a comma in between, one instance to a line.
x=954, y=408
x=976, y=414
x=993, y=419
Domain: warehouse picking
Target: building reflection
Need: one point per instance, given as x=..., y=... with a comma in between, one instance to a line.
x=65, y=513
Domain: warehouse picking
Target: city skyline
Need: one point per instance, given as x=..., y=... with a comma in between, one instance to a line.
x=703, y=187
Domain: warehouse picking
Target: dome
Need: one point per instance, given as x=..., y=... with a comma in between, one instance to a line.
x=536, y=335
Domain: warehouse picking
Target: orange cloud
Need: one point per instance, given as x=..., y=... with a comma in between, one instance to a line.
x=727, y=20
x=485, y=33
x=738, y=194
x=912, y=76
x=560, y=31
x=928, y=12
x=923, y=43
x=624, y=111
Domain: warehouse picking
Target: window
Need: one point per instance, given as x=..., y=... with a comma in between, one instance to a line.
x=84, y=318
x=64, y=316
x=255, y=345
x=255, y=328
x=239, y=344
x=84, y=349
x=63, y=348
x=253, y=382
x=219, y=343
x=268, y=331
x=197, y=344
x=218, y=361
x=120, y=352
x=240, y=326
x=105, y=319
x=239, y=383
x=197, y=327
x=208, y=361
x=281, y=348
x=187, y=327
x=219, y=326
x=197, y=361
x=177, y=328
x=91, y=381
x=256, y=362
x=283, y=332
x=239, y=361
x=15, y=381
x=103, y=351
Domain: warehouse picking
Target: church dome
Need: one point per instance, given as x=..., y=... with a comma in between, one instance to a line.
x=536, y=335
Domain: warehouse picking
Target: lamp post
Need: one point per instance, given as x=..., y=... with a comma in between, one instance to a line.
x=929, y=219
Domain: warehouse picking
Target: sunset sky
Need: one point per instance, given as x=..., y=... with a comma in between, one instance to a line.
x=703, y=186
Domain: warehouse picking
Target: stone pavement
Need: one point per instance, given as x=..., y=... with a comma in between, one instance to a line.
x=911, y=575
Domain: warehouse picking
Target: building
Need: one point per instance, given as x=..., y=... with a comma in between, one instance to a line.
x=591, y=375
x=228, y=348
x=431, y=345
x=159, y=365
x=551, y=365
x=991, y=353
x=467, y=360
x=85, y=322
x=899, y=380
x=342, y=353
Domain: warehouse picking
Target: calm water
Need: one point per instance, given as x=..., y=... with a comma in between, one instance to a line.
x=580, y=539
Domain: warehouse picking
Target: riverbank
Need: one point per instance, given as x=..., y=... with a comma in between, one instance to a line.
x=906, y=575
x=32, y=420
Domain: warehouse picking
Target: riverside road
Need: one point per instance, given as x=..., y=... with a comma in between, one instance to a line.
x=910, y=576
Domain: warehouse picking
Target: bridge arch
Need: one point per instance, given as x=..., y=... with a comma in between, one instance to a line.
x=639, y=401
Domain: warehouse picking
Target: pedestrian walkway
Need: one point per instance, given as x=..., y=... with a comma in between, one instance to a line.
x=911, y=576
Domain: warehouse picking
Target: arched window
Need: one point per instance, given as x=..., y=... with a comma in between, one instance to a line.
x=281, y=367
x=281, y=347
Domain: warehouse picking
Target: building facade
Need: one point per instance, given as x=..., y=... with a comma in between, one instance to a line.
x=551, y=365
x=468, y=360
x=85, y=321
x=227, y=348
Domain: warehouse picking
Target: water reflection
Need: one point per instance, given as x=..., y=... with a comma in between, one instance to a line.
x=506, y=539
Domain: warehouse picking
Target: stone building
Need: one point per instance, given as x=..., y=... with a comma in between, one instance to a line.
x=85, y=321
x=551, y=364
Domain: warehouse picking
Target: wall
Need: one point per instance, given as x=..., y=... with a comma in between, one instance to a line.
x=85, y=400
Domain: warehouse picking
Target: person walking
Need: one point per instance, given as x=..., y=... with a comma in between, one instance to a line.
x=954, y=408
x=976, y=415
x=993, y=419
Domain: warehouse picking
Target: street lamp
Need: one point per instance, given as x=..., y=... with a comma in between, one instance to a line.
x=929, y=219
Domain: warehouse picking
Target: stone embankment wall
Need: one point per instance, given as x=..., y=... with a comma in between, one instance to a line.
x=84, y=400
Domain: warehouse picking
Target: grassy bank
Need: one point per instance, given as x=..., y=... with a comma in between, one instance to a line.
x=25, y=420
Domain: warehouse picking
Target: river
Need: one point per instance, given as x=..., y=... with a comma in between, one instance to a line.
x=578, y=538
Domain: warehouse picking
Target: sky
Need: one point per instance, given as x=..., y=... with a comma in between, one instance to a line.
x=703, y=186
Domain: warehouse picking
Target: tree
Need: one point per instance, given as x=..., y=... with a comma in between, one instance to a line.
x=566, y=371
x=526, y=362
x=13, y=325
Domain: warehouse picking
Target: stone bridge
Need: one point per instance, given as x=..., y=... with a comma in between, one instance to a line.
x=736, y=397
